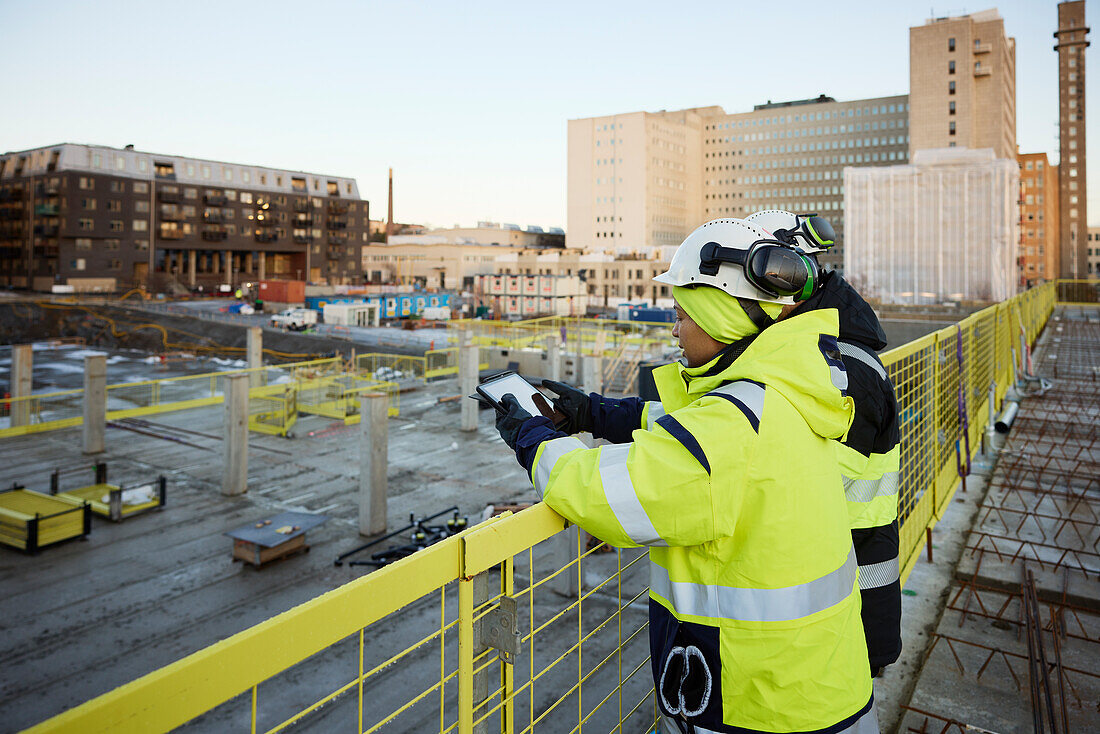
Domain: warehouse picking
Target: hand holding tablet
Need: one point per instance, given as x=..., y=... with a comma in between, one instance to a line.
x=528, y=396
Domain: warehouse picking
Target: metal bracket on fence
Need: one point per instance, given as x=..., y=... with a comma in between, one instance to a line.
x=500, y=629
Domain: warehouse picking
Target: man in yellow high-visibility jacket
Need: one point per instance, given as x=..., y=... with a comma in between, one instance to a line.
x=732, y=481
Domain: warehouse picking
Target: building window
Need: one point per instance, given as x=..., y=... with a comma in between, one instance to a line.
x=141, y=245
x=951, y=87
x=141, y=187
x=114, y=205
x=77, y=263
x=113, y=264
x=111, y=245
x=141, y=206
x=206, y=171
x=87, y=204
x=246, y=197
x=85, y=225
x=83, y=244
x=951, y=109
x=950, y=67
x=117, y=187
x=190, y=193
x=141, y=225
x=950, y=44
x=87, y=183
x=116, y=225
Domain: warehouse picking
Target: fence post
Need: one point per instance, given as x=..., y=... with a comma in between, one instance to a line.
x=373, y=460
x=255, y=354
x=235, y=436
x=95, y=403
x=467, y=380
x=22, y=371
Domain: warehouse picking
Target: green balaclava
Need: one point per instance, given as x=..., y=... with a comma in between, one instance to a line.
x=718, y=313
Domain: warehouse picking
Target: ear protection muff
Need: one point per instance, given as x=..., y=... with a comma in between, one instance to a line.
x=780, y=270
x=771, y=266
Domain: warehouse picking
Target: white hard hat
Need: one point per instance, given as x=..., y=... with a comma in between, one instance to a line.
x=810, y=233
x=744, y=261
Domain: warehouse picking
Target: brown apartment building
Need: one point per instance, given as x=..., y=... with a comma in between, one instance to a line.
x=120, y=218
x=1038, y=256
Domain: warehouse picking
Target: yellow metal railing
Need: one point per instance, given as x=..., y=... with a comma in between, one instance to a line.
x=398, y=648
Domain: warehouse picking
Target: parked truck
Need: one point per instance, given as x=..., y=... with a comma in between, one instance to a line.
x=295, y=319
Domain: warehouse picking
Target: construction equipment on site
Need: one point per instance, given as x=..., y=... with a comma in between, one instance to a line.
x=421, y=534
x=112, y=501
x=30, y=520
x=273, y=539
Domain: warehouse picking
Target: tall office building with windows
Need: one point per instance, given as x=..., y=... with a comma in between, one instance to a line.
x=962, y=84
x=95, y=216
x=640, y=181
x=1072, y=36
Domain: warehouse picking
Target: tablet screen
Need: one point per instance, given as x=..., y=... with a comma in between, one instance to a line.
x=512, y=383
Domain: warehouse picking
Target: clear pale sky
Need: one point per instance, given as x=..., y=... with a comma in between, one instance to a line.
x=468, y=102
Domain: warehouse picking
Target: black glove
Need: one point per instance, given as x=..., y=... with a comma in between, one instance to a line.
x=573, y=404
x=509, y=423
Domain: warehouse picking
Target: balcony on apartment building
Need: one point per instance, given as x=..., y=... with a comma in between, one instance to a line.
x=7, y=195
x=265, y=220
x=303, y=206
x=214, y=216
x=337, y=207
x=45, y=250
x=334, y=253
x=171, y=213
x=46, y=210
x=302, y=221
x=302, y=239
x=215, y=234
x=46, y=189
x=337, y=240
x=171, y=233
x=214, y=199
x=168, y=197
x=336, y=223
x=46, y=230
x=266, y=236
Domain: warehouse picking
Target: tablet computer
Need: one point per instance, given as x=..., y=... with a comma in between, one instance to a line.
x=529, y=397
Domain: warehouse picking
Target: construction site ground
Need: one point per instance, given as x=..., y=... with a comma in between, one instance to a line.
x=85, y=616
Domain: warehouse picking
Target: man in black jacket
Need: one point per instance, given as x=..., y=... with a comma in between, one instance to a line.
x=870, y=455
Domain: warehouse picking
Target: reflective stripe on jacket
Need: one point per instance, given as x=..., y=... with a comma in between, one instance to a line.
x=733, y=484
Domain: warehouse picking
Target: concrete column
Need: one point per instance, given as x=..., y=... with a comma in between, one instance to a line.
x=22, y=372
x=235, y=436
x=263, y=266
x=591, y=367
x=192, y=258
x=467, y=380
x=216, y=263
x=255, y=353
x=373, y=463
x=553, y=356
x=95, y=403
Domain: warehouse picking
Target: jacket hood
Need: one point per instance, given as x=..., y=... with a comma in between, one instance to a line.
x=790, y=357
x=858, y=322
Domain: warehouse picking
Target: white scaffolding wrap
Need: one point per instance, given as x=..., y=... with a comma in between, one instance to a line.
x=944, y=228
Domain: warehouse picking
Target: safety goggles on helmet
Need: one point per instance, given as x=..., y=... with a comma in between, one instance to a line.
x=810, y=233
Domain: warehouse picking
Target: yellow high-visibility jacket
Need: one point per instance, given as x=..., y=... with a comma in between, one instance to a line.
x=733, y=484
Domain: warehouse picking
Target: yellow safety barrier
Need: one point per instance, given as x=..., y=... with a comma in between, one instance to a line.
x=42, y=412
x=391, y=366
x=504, y=658
x=444, y=362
